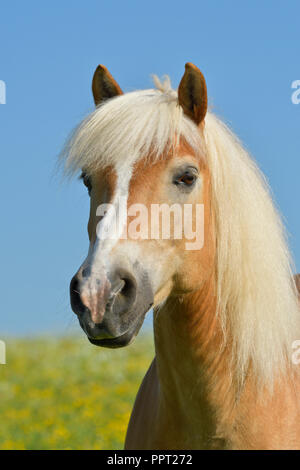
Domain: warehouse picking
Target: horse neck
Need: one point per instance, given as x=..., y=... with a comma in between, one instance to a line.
x=199, y=396
x=193, y=364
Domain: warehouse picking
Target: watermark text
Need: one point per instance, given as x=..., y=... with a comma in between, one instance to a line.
x=2, y=352
x=157, y=222
x=2, y=92
x=296, y=353
x=296, y=94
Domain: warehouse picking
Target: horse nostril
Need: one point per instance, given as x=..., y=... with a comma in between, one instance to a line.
x=86, y=271
x=76, y=302
x=123, y=292
x=129, y=289
x=74, y=285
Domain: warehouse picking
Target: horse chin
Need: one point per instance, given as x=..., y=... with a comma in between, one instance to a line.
x=120, y=341
x=113, y=343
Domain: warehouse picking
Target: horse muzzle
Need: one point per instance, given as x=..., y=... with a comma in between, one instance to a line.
x=111, y=307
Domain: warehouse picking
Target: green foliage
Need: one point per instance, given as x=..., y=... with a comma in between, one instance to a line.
x=67, y=394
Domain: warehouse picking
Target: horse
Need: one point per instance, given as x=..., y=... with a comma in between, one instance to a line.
x=225, y=313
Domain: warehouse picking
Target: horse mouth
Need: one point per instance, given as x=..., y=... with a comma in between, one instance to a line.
x=119, y=341
x=113, y=343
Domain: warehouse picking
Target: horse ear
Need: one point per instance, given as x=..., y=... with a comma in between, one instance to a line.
x=104, y=85
x=192, y=93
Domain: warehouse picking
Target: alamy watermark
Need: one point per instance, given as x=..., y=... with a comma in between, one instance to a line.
x=2, y=352
x=296, y=353
x=296, y=94
x=157, y=222
x=2, y=92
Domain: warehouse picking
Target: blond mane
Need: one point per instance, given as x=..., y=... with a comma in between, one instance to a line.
x=257, y=296
x=128, y=127
x=257, y=300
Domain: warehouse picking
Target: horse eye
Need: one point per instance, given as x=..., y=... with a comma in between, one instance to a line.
x=186, y=179
x=86, y=181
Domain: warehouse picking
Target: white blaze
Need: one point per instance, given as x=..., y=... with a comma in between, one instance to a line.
x=112, y=225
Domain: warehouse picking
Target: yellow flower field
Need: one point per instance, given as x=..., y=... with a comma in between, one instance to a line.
x=67, y=394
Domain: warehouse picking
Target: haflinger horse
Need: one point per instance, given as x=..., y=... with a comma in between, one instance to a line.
x=226, y=316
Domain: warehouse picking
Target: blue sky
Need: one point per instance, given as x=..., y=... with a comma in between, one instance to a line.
x=249, y=53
